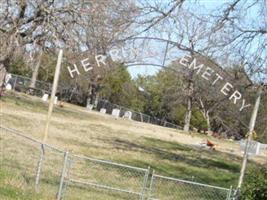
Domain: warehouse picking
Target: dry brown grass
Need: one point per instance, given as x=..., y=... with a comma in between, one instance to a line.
x=170, y=152
x=83, y=131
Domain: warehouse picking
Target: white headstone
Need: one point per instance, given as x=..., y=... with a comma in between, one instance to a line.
x=253, y=149
x=103, y=110
x=7, y=78
x=45, y=98
x=264, y=146
x=115, y=112
x=55, y=100
x=90, y=106
x=8, y=87
x=128, y=115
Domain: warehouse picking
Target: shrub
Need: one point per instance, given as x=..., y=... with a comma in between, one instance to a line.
x=255, y=185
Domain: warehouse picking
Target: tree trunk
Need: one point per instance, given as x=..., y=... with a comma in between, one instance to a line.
x=89, y=96
x=190, y=91
x=205, y=114
x=2, y=78
x=188, y=114
x=96, y=99
x=208, y=120
x=36, y=71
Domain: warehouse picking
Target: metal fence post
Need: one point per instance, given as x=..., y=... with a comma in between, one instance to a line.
x=15, y=82
x=229, y=196
x=145, y=184
x=165, y=123
x=63, y=173
x=151, y=185
x=142, y=120
x=39, y=168
x=69, y=164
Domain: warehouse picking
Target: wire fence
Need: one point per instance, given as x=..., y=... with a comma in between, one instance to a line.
x=22, y=84
x=46, y=169
x=168, y=188
x=133, y=115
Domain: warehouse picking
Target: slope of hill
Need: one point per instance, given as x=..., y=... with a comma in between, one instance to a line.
x=168, y=151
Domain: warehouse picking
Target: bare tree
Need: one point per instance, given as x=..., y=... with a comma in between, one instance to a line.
x=245, y=35
x=42, y=24
x=77, y=26
x=189, y=31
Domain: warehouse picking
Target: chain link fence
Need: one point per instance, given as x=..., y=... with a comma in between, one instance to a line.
x=168, y=188
x=22, y=84
x=39, y=167
x=20, y=157
x=101, y=178
x=134, y=115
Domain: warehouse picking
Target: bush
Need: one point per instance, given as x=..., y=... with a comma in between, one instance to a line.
x=255, y=185
x=198, y=121
x=19, y=67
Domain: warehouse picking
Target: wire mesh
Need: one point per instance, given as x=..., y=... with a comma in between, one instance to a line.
x=114, y=181
x=136, y=116
x=80, y=177
x=20, y=158
x=166, y=188
x=51, y=170
x=19, y=162
x=22, y=84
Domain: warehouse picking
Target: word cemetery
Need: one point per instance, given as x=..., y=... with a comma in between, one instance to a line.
x=214, y=78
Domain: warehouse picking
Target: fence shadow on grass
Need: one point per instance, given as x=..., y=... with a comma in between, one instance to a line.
x=69, y=176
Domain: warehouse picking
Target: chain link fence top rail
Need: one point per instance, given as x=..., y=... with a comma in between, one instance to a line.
x=117, y=180
x=137, y=116
x=48, y=169
x=20, y=156
x=168, y=188
x=22, y=84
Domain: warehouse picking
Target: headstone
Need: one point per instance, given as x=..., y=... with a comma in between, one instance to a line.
x=8, y=87
x=116, y=112
x=128, y=115
x=90, y=106
x=7, y=78
x=88, y=101
x=55, y=100
x=103, y=110
x=45, y=98
x=253, y=149
x=264, y=146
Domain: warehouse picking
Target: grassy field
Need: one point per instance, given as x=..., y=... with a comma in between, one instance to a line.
x=168, y=151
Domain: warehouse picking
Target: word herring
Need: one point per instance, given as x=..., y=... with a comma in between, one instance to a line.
x=211, y=75
x=100, y=59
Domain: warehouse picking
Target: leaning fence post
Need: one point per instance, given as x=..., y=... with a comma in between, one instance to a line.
x=151, y=185
x=142, y=120
x=145, y=184
x=229, y=196
x=15, y=83
x=63, y=192
x=39, y=168
x=63, y=173
x=165, y=123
